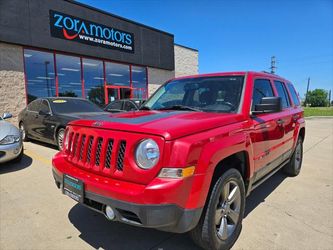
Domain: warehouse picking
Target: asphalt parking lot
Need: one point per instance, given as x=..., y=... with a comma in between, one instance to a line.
x=283, y=213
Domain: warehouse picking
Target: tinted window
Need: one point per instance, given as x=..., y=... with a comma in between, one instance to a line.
x=209, y=94
x=34, y=106
x=282, y=92
x=129, y=106
x=40, y=75
x=262, y=88
x=94, y=80
x=63, y=106
x=117, y=74
x=69, y=76
x=293, y=94
x=45, y=106
x=115, y=105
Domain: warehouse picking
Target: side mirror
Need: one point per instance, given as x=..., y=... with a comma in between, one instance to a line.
x=6, y=116
x=43, y=113
x=268, y=105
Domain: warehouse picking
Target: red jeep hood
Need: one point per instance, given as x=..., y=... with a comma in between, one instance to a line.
x=169, y=124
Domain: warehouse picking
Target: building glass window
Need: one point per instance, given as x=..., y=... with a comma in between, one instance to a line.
x=117, y=74
x=69, y=75
x=139, y=82
x=40, y=75
x=93, y=77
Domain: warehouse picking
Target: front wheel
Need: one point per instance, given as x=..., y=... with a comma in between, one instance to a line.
x=23, y=132
x=221, y=221
x=60, y=138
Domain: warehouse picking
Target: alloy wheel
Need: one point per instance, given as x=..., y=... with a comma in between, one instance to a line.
x=228, y=210
x=60, y=139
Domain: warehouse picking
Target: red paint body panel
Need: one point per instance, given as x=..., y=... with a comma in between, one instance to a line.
x=185, y=139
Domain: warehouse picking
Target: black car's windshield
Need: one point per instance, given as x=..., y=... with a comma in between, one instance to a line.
x=208, y=94
x=65, y=106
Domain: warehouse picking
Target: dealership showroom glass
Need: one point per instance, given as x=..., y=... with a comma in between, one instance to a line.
x=65, y=48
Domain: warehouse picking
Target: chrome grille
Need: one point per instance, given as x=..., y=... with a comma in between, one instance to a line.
x=108, y=154
x=83, y=141
x=98, y=151
x=89, y=148
x=121, y=155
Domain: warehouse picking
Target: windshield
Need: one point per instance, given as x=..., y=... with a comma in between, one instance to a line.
x=64, y=106
x=208, y=94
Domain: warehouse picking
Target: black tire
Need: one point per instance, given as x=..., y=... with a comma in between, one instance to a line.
x=23, y=131
x=293, y=168
x=60, y=138
x=206, y=233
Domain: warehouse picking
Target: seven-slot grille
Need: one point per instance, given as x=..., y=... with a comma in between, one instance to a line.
x=87, y=151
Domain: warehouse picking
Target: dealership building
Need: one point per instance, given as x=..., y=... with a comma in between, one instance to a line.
x=65, y=48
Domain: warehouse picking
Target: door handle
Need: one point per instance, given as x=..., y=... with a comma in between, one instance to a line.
x=280, y=122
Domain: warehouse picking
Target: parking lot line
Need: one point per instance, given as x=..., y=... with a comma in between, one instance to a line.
x=37, y=156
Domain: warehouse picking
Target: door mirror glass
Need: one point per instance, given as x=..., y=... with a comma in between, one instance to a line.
x=268, y=105
x=7, y=116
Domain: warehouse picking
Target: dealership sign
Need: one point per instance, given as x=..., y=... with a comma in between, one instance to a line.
x=76, y=29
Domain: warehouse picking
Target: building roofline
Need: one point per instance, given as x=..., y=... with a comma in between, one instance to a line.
x=116, y=16
x=177, y=44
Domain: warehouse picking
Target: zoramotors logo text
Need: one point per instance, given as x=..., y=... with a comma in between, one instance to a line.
x=80, y=30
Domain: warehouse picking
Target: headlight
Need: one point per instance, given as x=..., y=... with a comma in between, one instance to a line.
x=9, y=139
x=147, y=154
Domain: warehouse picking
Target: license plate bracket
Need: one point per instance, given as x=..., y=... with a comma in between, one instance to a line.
x=73, y=188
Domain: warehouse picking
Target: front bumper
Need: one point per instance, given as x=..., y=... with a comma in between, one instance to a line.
x=10, y=152
x=165, y=217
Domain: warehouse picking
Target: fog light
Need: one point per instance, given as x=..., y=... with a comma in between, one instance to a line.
x=16, y=150
x=109, y=213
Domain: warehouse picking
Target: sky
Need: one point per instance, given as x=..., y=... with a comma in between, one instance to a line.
x=237, y=35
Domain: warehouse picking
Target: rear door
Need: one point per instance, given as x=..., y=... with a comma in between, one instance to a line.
x=267, y=133
x=285, y=120
x=295, y=111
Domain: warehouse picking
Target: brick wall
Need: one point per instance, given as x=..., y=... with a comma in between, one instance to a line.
x=186, y=61
x=12, y=85
x=156, y=77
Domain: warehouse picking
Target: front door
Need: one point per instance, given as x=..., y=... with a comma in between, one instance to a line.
x=266, y=134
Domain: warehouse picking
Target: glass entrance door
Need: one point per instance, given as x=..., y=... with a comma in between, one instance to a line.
x=112, y=94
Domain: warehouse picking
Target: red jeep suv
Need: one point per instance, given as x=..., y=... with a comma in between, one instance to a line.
x=188, y=158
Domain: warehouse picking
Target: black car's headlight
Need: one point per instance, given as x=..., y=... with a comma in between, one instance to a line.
x=9, y=139
x=147, y=154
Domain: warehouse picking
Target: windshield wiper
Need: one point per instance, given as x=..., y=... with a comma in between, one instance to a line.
x=180, y=107
x=144, y=108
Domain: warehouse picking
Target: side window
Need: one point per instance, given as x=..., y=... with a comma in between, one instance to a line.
x=293, y=94
x=115, y=105
x=34, y=106
x=282, y=92
x=128, y=106
x=262, y=88
x=45, y=106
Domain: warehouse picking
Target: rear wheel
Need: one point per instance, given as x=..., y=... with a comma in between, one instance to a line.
x=23, y=132
x=221, y=221
x=60, y=138
x=293, y=168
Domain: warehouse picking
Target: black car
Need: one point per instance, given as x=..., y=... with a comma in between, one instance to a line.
x=124, y=105
x=45, y=119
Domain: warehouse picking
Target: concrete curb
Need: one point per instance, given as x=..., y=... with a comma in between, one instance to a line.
x=318, y=117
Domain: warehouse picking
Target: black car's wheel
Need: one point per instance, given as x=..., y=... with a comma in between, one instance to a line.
x=23, y=132
x=221, y=221
x=60, y=138
x=293, y=168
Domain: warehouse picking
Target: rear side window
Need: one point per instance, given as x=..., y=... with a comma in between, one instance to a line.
x=293, y=94
x=128, y=106
x=262, y=88
x=115, y=105
x=282, y=92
